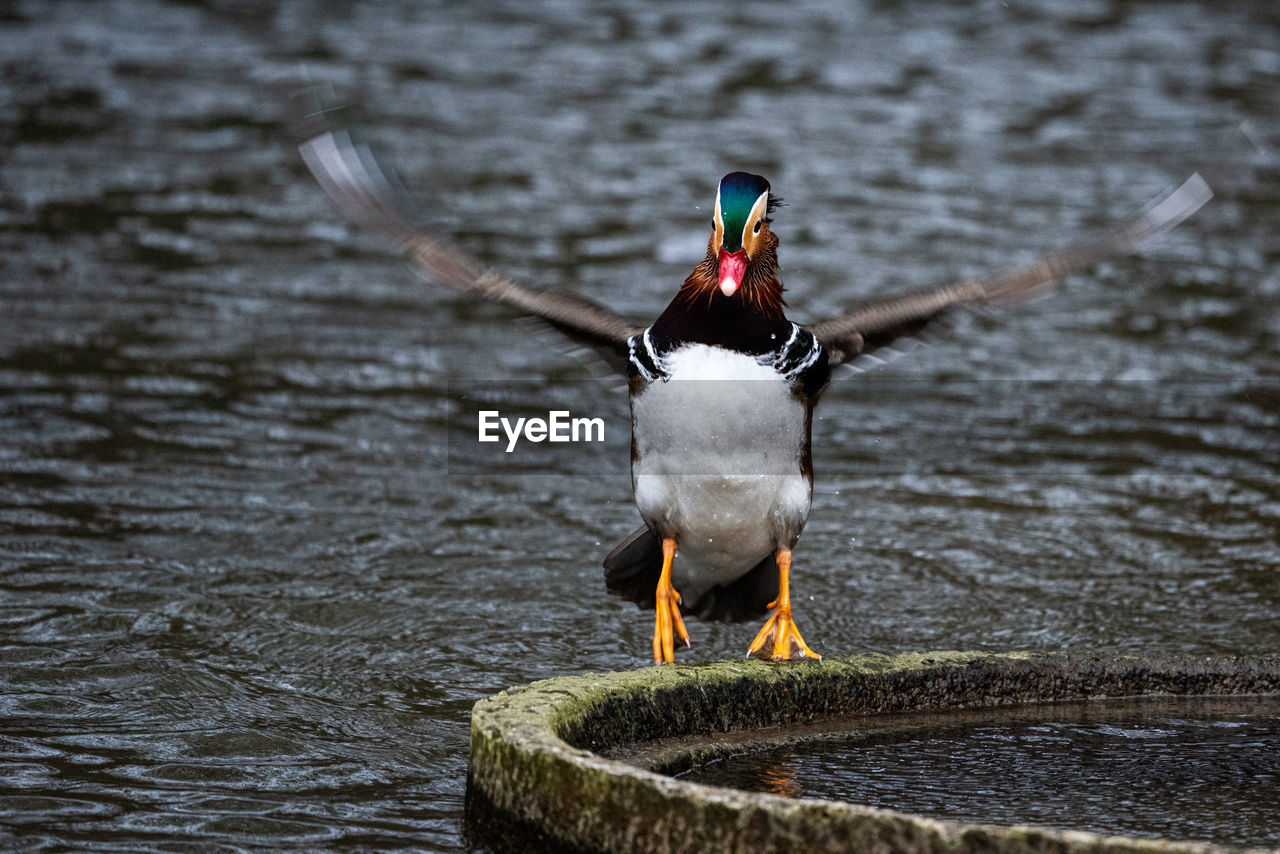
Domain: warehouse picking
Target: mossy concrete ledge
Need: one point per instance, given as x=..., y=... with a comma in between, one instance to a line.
x=537, y=763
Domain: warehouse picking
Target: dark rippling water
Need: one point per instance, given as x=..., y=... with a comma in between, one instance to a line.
x=1181, y=769
x=247, y=601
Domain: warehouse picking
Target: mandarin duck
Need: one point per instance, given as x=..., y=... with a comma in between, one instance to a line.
x=722, y=385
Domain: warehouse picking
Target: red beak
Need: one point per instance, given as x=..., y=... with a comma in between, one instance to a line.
x=732, y=267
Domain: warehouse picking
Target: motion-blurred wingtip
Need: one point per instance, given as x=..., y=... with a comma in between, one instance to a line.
x=1191, y=195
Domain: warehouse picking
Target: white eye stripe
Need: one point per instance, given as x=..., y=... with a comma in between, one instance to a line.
x=758, y=211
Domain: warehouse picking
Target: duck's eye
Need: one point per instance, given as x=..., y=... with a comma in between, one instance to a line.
x=756, y=230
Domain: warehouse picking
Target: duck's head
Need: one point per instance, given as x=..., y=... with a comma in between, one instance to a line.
x=741, y=228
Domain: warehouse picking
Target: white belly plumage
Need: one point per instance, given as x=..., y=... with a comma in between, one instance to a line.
x=719, y=446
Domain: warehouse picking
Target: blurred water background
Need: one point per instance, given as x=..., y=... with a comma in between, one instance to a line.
x=247, y=601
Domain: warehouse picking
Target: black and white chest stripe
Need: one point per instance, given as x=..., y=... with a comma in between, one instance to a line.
x=643, y=359
x=799, y=353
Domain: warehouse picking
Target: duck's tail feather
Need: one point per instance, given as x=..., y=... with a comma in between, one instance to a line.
x=747, y=598
x=632, y=569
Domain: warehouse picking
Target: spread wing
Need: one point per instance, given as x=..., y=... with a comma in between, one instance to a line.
x=363, y=192
x=877, y=322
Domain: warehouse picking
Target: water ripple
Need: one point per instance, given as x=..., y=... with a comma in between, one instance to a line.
x=246, y=597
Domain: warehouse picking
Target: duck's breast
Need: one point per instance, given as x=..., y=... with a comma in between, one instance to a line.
x=718, y=448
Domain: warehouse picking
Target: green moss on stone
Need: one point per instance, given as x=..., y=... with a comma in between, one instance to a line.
x=535, y=751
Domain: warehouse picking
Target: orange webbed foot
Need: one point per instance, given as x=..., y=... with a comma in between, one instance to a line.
x=666, y=625
x=667, y=620
x=779, y=639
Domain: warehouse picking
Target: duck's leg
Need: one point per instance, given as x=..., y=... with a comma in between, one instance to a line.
x=779, y=639
x=668, y=610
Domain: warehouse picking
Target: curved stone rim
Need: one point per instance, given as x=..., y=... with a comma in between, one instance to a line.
x=535, y=758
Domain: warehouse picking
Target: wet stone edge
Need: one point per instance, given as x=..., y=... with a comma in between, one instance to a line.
x=537, y=774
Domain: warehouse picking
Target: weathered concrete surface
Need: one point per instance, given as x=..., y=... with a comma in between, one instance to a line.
x=536, y=763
